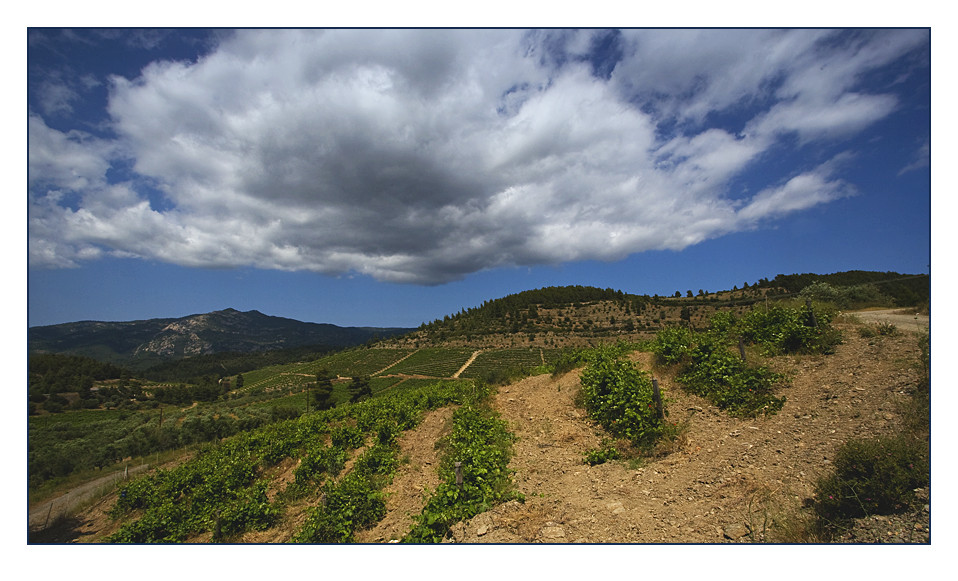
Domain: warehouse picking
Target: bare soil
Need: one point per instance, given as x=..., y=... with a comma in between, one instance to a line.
x=904, y=319
x=726, y=480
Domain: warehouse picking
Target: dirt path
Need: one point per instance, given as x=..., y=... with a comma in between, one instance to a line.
x=466, y=365
x=727, y=481
x=406, y=494
x=48, y=512
x=904, y=319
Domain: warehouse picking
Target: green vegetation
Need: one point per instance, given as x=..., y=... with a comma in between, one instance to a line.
x=433, y=362
x=228, y=364
x=243, y=414
x=502, y=366
x=879, y=476
x=872, y=476
x=481, y=444
x=223, y=489
x=620, y=398
x=607, y=451
x=708, y=366
x=861, y=288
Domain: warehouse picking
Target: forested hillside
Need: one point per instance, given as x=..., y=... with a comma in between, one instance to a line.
x=580, y=315
x=142, y=344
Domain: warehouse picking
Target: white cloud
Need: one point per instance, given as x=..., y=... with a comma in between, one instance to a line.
x=72, y=161
x=920, y=159
x=422, y=156
x=798, y=193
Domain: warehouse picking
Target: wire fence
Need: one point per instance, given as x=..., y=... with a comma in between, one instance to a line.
x=63, y=506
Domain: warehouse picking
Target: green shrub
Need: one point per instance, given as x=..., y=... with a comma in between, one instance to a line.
x=352, y=504
x=619, y=397
x=568, y=360
x=347, y=437
x=872, y=476
x=250, y=511
x=782, y=330
x=319, y=462
x=672, y=345
x=603, y=454
x=723, y=378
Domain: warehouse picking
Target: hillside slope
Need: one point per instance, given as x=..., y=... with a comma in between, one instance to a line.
x=728, y=480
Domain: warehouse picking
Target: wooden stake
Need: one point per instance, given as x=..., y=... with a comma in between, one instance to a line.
x=459, y=475
x=741, y=348
x=808, y=303
x=657, y=397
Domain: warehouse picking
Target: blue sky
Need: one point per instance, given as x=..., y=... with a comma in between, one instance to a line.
x=390, y=177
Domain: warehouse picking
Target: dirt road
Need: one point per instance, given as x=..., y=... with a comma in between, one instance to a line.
x=48, y=512
x=904, y=319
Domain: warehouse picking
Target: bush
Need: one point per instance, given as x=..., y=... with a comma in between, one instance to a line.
x=672, y=345
x=872, y=476
x=783, y=330
x=619, y=397
x=724, y=379
x=568, y=360
x=352, y=504
x=603, y=454
x=846, y=297
x=347, y=437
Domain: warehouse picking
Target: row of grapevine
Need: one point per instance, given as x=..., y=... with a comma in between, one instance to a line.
x=521, y=358
x=433, y=362
x=223, y=489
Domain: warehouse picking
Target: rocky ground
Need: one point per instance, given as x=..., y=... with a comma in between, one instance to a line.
x=727, y=481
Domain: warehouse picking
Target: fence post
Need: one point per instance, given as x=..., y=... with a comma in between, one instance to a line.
x=741, y=348
x=657, y=397
x=49, y=512
x=459, y=475
x=808, y=303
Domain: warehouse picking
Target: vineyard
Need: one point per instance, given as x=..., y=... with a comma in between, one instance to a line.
x=77, y=445
x=226, y=489
x=273, y=460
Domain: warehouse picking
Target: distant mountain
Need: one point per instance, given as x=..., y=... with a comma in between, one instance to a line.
x=229, y=330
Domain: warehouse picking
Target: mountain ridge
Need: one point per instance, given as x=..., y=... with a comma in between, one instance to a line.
x=227, y=330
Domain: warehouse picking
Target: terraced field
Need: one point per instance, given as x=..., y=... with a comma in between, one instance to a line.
x=433, y=362
x=497, y=359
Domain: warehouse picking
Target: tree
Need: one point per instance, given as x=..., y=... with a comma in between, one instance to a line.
x=323, y=399
x=239, y=381
x=360, y=389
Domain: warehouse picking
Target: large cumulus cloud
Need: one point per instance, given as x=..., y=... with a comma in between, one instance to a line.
x=423, y=156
